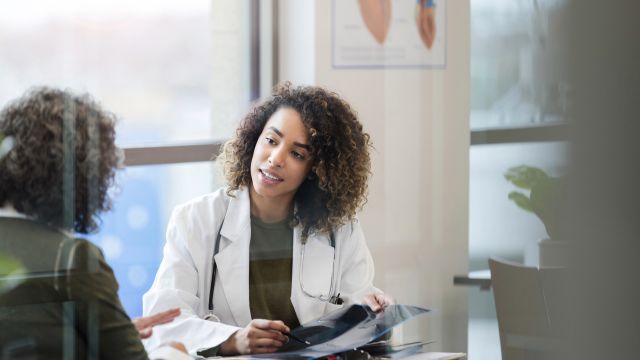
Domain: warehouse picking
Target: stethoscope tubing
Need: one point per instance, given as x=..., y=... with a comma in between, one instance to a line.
x=333, y=297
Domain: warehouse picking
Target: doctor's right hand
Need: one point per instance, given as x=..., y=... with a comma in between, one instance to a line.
x=259, y=337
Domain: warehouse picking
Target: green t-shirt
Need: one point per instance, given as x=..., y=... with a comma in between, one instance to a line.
x=270, y=255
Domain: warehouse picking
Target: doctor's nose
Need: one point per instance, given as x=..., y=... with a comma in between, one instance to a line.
x=276, y=158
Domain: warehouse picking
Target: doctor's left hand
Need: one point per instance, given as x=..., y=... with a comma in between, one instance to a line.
x=378, y=301
x=145, y=324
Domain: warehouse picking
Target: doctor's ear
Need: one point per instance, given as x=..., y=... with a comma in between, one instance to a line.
x=311, y=175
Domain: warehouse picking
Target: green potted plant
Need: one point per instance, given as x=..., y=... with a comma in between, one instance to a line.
x=543, y=197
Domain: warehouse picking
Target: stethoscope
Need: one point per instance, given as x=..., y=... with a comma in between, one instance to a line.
x=333, y=297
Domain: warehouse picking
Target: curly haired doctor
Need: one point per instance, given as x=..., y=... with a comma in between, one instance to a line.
x=280, y=245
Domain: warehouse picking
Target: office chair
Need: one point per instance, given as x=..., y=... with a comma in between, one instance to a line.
x=529, y=304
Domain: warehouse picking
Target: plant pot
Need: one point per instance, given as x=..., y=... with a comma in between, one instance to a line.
x=553, y=253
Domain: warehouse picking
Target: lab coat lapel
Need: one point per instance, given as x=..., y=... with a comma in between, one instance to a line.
x=315, y=275
x=233, y=257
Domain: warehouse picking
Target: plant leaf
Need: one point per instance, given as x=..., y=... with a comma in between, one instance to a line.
x=525, y=177
x=544, y=201
x=521, y=200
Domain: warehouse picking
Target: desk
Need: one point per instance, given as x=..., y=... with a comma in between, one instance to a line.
x=436, y=356
x=481, y=278
x=400, y=355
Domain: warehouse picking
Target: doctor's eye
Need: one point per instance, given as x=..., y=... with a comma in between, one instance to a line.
x=298, y=155
x=270, y=141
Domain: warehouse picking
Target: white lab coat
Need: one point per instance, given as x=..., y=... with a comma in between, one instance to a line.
x=184, y=276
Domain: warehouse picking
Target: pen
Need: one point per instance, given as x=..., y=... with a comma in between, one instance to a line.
x=291, y=336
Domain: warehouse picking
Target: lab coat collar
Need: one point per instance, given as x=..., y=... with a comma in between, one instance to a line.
x=233, y=256
x=237, y=219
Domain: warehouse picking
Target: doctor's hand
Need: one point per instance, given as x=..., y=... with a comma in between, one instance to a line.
x=260, y=336
x=145, y=324
x=378, y=301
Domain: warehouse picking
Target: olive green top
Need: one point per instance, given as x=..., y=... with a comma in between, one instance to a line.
x=270, y=255
x=65, y=304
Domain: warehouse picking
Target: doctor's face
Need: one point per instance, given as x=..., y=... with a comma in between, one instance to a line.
x=281, y=158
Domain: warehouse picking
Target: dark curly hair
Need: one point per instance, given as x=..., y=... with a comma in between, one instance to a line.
x=337, y=187
x=63, y=159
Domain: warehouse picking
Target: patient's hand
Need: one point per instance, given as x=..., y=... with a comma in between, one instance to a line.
x=178, y=346
x=378, y=301
x=145, y=324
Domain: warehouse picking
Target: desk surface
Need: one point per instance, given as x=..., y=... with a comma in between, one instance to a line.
x=436, y=356
x=481, y=278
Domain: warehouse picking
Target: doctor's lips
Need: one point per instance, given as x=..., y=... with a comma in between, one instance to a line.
x=270, y=177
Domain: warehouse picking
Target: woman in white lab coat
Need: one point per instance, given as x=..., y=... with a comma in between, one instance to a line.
x=284, y=236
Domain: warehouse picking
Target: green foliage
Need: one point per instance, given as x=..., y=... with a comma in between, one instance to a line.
x=11, y=272
x=525, y=177
x=543, y=195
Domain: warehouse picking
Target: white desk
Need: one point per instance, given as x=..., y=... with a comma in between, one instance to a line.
x=481, y=278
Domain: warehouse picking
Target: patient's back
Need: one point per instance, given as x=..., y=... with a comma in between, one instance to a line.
x=65, y=302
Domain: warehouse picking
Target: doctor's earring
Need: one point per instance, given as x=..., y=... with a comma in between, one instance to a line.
x=311, y=176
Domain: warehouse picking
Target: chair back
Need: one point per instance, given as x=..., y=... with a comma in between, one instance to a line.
x=528, y=301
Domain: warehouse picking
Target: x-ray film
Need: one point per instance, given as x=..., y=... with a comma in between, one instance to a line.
x=343, y=330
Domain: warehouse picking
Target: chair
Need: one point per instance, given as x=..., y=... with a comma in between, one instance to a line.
x=529, y=304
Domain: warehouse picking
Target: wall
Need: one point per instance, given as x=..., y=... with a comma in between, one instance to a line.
x=416, y=219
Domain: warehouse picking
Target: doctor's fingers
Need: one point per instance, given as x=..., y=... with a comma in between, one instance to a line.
x=377, y=302
x=370, y=299
x=265, y=345
x=385, y=300
x=269, y=325
x=255, y=334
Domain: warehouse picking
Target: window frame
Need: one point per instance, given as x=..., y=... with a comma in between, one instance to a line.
x=263, y=75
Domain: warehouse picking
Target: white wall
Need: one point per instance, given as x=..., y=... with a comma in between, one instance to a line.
x=416, y=219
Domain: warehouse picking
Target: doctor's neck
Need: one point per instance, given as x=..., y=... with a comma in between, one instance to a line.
x=270, y=210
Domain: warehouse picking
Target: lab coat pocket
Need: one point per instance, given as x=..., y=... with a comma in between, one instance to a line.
x=332, y=307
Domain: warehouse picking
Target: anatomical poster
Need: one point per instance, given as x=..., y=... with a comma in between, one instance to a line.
x=389, y=33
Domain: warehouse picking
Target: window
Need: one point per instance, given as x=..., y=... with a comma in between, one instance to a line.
x=517, y=76
x=179, y=75
x=519, y=100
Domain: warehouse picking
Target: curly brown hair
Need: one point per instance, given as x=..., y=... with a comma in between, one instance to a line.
x=63, y=160
x=337, y=185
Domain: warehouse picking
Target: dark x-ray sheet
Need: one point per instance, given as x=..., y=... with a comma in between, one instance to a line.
x=344, y=329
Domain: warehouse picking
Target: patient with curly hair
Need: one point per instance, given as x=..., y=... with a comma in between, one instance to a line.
x=53, y=183
x=280, y=245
